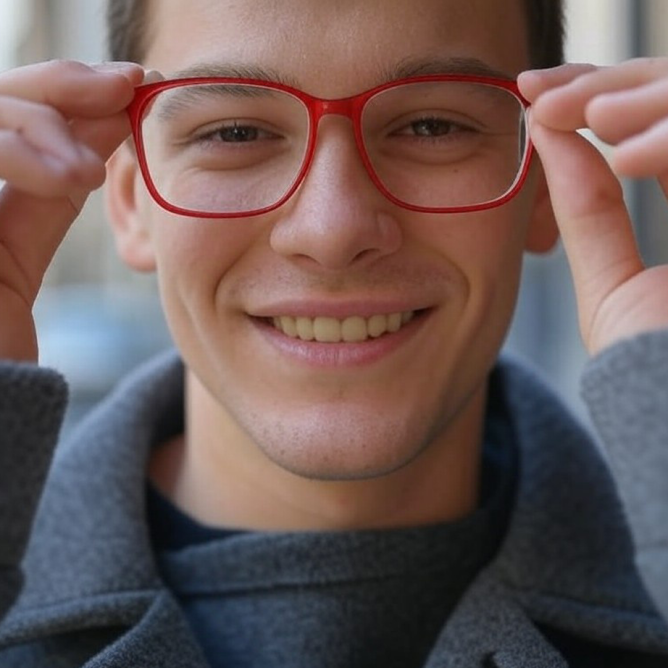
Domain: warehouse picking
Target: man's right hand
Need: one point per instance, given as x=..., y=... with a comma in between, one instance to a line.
x=59, y=123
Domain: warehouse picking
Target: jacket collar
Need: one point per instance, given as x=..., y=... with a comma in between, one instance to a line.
x=490, y=629
x=159, y=638
x=566, y=560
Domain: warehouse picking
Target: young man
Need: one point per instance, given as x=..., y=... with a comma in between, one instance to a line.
x=335, y=470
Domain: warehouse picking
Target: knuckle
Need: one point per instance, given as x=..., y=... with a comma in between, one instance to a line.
x=66, y=68
x=66, y=175
x=48, y=115
x=20, y=114
x=57, y=179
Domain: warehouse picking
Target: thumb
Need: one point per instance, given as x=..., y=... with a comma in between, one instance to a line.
x=594, y=222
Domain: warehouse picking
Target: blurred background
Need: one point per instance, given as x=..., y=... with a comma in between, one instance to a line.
x=97, y=319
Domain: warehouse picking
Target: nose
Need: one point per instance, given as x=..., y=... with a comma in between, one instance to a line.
x=337, y=218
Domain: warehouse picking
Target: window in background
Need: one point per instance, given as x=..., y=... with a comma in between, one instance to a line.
x=16, y=20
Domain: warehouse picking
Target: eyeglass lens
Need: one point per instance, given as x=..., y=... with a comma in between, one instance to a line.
x=237, y=148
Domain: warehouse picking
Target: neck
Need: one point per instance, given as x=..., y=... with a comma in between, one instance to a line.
x=217, y=475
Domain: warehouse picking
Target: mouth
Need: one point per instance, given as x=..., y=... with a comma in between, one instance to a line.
x=351, y=329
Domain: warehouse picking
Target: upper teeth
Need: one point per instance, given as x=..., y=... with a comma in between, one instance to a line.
x=353, y=329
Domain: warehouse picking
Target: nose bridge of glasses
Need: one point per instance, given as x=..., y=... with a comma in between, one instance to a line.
x=349, y=110
x=342, y=107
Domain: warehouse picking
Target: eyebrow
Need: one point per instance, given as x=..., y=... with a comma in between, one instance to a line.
x=413, y=67
x=190, y=97
x=225, y=70
x=409, y=67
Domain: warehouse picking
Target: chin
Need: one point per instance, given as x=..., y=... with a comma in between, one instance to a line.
x=358, y=447
x=312, y=466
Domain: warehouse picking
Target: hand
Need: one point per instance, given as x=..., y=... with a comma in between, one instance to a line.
x=626, y=106
x=59, y=122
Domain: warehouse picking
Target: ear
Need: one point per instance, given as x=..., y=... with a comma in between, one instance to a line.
x=131, y=230
x=543, y=232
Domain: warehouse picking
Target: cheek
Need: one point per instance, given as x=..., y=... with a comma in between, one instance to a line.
x=196, y=253
x=194, y=259
x=188, y=248
x=486, y=247
x=500, y=250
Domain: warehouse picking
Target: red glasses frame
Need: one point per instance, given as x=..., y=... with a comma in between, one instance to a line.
x=350, y=107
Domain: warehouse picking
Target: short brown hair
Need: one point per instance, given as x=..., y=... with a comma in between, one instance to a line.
x=546, y=26
x=126, y=29
x=127, y=25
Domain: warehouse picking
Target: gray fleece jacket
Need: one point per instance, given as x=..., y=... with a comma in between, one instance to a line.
x=92, y=596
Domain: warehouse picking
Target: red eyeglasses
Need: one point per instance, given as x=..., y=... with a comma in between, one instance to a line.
x=231, y=147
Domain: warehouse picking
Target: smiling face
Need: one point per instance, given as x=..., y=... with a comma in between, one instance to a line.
x=413, y=306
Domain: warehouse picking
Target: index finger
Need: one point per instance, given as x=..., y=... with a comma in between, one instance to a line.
x=73, y=88
x=563, y=104
x=534, y=83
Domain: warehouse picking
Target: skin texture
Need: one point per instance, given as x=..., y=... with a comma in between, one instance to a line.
x=59, y=122
x=277, y=441
x=627, y=107
x=272, y=442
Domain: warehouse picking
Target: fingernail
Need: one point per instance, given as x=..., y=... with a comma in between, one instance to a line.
x=116, y=67
x=532, y=73
x=152, y=76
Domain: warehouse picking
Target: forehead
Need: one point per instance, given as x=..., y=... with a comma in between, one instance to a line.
x=335, y=48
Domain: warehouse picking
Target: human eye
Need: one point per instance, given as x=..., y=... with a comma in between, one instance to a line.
x=430, y=137
x=236, y=143
x=233, y=132
x=437, y=135
x=432, y=126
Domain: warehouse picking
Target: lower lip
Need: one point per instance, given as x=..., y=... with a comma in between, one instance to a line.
x=340, y=355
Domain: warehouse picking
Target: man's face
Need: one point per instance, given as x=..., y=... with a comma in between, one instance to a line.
x=338, y=248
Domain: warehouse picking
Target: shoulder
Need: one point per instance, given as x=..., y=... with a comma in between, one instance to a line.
x=89, y=537
x=568, y=554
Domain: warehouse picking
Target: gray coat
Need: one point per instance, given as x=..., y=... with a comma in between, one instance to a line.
x=92, y=596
